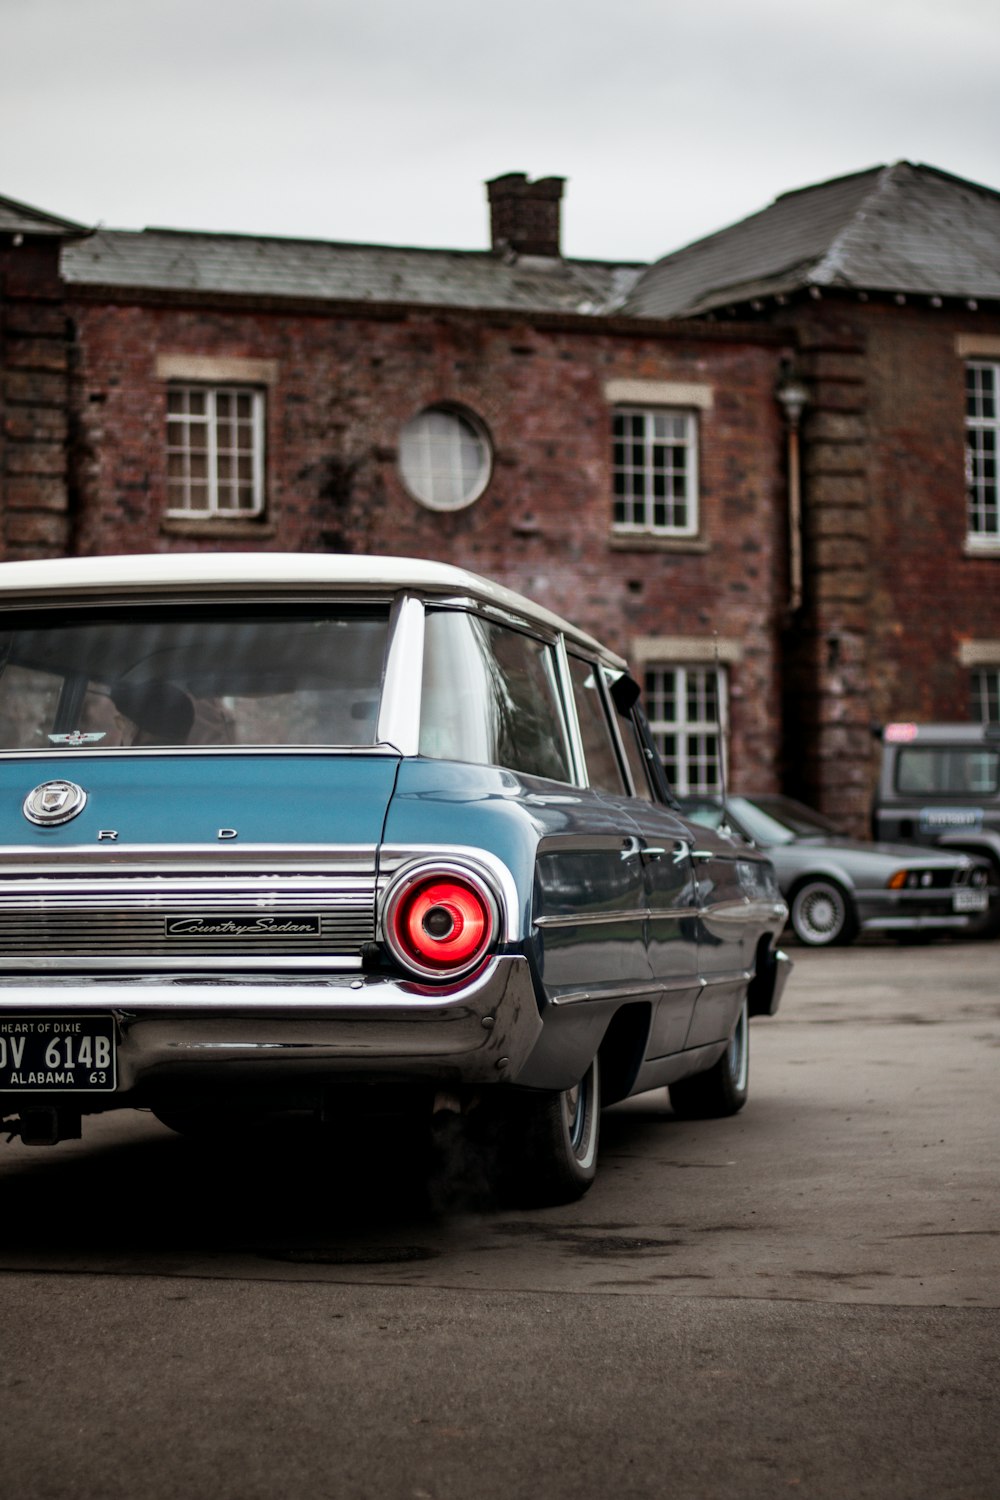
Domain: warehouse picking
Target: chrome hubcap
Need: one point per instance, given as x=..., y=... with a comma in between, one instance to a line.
x=574, y=1105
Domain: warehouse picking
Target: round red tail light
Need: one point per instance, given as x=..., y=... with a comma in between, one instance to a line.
x=440, y=922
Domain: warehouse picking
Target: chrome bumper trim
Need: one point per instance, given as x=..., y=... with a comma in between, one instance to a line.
x=186, y=1027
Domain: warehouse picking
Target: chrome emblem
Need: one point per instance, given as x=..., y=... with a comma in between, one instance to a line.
x=266, y=924
x=77, y=737
x=54, y=802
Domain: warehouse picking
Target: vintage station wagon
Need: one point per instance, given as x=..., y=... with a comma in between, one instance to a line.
x=326, y=834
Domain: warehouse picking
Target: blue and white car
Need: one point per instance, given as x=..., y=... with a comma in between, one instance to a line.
x=316, y=833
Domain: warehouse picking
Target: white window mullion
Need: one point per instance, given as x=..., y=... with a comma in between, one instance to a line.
x=982, y=425
x=635, y=429
x=194, y=409
x=258, y=451
x=213, y=456
x=986, y=695
x=695, y=730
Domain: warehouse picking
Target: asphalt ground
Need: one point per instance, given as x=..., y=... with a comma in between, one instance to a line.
x=802, y=1300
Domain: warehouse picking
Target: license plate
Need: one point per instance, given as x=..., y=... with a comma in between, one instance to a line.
x=57, y=1054
x=970, y=900
x=941, y=819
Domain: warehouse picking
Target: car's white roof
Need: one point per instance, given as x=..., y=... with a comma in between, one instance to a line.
x=255, y=573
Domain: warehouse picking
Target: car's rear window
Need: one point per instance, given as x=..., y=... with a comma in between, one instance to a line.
x=947, y=770
x=271, y=676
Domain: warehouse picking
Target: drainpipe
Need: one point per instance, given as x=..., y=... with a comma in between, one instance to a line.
x=792, y=395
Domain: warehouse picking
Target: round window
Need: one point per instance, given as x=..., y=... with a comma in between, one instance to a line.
x=445, y=458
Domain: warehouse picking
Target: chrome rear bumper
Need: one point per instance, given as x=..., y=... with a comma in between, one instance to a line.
x=233, y=1028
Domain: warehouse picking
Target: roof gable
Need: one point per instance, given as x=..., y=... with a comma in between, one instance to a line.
x=20, y=218
x=900, y=228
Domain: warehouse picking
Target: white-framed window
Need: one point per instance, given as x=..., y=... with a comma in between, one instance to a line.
x=445, y=458
x=683, y=707
x=982, y=440
x=986, y=695
x=215, y=450
x=655, y=470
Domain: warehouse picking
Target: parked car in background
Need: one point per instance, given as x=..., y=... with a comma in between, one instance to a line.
x=335, y=834
x=940, y=784
x=837, y=887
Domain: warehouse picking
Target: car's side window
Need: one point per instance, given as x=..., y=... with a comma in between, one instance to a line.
x=490, y=695
x=603, y=770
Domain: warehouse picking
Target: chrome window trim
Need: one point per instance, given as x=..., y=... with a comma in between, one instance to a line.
x=579, y=759
x=496, y=614
x=70, y=754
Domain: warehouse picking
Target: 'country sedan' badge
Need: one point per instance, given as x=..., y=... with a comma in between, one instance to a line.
x=236, y=925
x=54, y=802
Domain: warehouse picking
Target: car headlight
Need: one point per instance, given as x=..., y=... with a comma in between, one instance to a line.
x=910, y=880
x=439, y=921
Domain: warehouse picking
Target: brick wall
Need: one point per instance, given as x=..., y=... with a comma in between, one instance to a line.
x=34, y=398
x=891, y=592
x=344, y=386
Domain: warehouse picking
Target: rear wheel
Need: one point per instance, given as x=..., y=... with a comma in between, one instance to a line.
x=822, y=914
x=722, y=1089
x=545, y=1148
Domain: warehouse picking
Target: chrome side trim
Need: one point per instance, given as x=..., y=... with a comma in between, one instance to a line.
x=634, y=914
x=94, y=860
x=595, y=919
x=627, y=992
x=733, y=976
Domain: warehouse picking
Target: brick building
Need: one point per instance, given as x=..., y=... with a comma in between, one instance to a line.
x=604, y=437
x=889, y=282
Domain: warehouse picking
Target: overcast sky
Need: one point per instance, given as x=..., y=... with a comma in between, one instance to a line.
x=379, y=120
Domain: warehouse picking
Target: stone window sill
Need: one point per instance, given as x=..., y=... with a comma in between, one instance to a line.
x=982, y=549
x=622, y=541
x=235, y=530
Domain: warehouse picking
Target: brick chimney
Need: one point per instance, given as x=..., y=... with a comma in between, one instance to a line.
x=524, y=216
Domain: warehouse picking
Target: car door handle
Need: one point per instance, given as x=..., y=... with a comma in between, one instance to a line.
x=647, y=852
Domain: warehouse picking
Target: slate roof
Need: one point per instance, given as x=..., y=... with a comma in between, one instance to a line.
x=173, y=260
x=19, y=218
x=900, y=228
